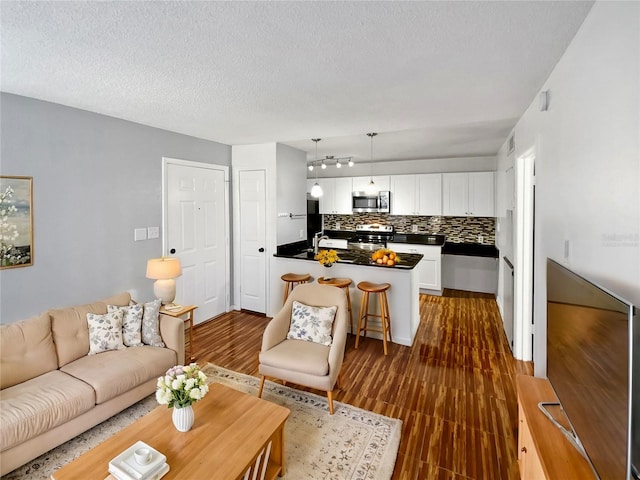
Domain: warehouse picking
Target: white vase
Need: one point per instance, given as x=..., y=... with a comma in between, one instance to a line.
x=183, y=418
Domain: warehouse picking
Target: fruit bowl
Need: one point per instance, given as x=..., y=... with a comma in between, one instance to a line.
x=385, y=257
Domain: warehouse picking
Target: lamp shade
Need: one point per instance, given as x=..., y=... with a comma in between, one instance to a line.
x=163, y=268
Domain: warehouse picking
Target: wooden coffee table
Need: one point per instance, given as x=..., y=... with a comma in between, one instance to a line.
x=231, y=430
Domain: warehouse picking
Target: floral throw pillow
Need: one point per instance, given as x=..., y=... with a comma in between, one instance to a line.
x=312, y=324
x=151, y=324
x=131, y=324
x=105, y=332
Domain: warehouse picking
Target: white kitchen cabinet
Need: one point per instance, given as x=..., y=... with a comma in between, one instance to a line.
x=468, y=194
x=381, y=182
x=429, y=268
x=416, y=194
x=336, y=195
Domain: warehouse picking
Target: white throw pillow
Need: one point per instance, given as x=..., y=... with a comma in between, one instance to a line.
x=312, y=324
x=105, y=332
x=131, y=324
x=151, y=325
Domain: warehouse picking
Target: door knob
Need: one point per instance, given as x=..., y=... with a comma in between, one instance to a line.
x=173, y=250
x=261, y=249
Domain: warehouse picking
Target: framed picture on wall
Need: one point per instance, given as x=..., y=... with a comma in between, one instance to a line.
x=16, y=222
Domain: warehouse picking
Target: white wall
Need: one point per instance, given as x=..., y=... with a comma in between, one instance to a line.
x=587, y=160
x=95, y=179
x=291, y=194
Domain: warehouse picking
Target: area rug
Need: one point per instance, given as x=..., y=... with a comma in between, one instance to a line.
x=352, y=444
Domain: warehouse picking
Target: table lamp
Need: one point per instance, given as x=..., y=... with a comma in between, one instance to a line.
x=164, y=270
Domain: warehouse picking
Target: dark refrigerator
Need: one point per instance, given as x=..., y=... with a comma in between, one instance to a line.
x=314, y=219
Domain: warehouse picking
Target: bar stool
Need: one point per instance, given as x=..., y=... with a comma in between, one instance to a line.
x=291, y=280
x=341, y=283
x=381, y=290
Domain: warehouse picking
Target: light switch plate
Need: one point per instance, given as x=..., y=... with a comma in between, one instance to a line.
x=414, y=228
x=139, y=234
x=153, y=232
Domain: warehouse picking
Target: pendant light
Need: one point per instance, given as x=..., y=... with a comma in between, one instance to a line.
x=316, y=190
x=371, y=188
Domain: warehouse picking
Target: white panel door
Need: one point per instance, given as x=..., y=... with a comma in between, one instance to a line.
x=253, y=280
x=197, y=234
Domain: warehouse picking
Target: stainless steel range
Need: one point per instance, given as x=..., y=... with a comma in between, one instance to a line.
x=370, y=237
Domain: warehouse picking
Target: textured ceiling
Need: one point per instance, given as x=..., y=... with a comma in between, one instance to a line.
x=435, y=79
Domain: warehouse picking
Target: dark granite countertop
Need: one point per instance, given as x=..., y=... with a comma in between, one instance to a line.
x=356, y=257
x=419, y=239
x=414, y=238
x=470, y=249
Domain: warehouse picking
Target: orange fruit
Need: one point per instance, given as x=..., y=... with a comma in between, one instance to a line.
x=391, y=263
x=379, y=261
x=392, y=255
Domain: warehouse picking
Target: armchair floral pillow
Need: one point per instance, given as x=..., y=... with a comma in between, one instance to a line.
x=312, y=324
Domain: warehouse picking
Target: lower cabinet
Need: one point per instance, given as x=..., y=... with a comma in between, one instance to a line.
x=430, y=267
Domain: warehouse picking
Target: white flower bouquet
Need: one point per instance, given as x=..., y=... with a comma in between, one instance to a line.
x=182, y=386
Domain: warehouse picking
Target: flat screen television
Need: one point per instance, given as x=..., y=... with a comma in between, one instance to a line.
x=593, y=364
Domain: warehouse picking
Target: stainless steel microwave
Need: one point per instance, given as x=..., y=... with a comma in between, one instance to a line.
x=378, y=202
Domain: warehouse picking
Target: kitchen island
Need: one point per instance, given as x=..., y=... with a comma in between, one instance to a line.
x=403, y=296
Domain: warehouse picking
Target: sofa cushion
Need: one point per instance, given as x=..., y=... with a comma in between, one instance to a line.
x=40, y=404
x=151, y=324
x=105, y=332
x=27, y=350
x=131, y=324
x=71, y=330
x=118, y=371
x=299, y=356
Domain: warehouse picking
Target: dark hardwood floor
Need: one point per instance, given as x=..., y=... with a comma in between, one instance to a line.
x=454, y=389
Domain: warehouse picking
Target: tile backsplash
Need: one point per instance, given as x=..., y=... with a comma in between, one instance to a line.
x=456, y=229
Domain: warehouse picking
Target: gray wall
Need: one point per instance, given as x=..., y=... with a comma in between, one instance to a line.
x=95, y=179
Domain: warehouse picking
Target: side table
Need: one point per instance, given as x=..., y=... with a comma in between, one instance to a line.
x=185, y=310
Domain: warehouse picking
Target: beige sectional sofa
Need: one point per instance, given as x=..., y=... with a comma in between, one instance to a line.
x=52, y=390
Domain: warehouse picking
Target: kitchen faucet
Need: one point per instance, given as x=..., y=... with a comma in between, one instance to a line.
x=316, y=241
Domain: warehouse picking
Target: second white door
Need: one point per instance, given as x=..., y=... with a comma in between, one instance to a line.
x=252, y=240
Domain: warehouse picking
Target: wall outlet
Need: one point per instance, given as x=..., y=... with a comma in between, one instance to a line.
x=480, y=238
x=301, y=233
x=153, y=232
x=337, y=225
x=414, y=228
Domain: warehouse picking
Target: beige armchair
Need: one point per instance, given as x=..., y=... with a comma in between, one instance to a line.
x=303, y=362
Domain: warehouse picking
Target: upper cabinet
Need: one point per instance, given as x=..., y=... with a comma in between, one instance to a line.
x=381, y=182
x=336, y=195
x=416, y=194
x=468, y=194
